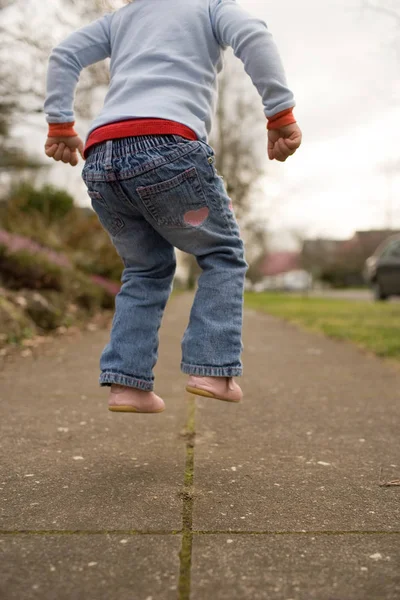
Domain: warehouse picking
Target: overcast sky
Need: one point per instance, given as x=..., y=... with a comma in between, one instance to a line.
x=343, y=69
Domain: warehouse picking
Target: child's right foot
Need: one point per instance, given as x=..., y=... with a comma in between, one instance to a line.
x=220, y=388
x=128, y=399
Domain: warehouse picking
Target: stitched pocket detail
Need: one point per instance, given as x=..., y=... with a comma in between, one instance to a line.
x=169, y=201
x=111, y=221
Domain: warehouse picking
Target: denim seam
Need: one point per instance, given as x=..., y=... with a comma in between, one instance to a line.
x=218, y=205
x=148, y=191
x=113, y=223
x=149, y=166
x=109, y=377
x=158, y=162
x=208, y=371
x=210, y=166
x=146, y=199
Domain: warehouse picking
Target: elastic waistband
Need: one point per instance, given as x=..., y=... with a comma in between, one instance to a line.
x=132, y=145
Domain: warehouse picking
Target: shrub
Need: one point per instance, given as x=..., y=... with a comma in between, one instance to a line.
x=15, y=243
x=26, y=265
x=52, y=203
x=86, y=294
x=23, y=269
x=91, y=249
x=110, y=286
x=78, y=236
x=14, y=324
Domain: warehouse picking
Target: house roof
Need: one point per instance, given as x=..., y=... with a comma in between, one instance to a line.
x=278, y=263
x=366, y=242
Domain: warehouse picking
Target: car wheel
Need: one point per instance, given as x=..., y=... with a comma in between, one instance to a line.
x=379, y=294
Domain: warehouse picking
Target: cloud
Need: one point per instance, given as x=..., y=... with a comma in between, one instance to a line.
x=340, y=184
x=344, y=72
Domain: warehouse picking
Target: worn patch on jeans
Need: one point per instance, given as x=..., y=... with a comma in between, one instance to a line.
x=196, y=217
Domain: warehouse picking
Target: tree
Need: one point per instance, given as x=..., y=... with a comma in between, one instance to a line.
x=390, y=9
x=238, y=129
x=235, y=138
x=26, y=40
x=25, y=45
x=239, y=138
x=391, y=169
x=11, y=156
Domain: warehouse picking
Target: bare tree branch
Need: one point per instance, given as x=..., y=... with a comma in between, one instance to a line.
x=385, y=10
x=239, y=127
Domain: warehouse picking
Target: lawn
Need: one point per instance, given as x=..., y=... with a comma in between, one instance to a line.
x=374, y=326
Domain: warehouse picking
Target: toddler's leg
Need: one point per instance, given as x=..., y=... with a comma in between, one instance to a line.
x=149, y=259
x=212, y=344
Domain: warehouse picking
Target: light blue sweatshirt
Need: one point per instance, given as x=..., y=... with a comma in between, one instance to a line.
x=165, y=57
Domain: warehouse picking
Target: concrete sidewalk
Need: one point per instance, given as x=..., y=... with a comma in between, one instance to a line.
x=278, y=498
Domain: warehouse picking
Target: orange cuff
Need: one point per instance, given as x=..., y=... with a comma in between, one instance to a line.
x=62, y=130
x=286, y=117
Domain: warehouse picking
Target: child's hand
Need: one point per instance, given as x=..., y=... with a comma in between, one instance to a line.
x=65, y=149
x=283, y=142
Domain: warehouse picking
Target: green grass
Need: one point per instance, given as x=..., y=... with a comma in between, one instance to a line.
x=373, y=326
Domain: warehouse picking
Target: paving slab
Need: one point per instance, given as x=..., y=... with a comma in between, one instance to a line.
x=66, y=462
x=89, y=567
x=287, y=502
x=307, y=449
x=296, y=567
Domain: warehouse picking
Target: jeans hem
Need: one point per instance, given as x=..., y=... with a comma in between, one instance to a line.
x=211, y=371
x=108, y=378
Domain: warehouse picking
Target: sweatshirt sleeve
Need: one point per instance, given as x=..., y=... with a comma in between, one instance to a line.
x=81, y=49
x=253, y=44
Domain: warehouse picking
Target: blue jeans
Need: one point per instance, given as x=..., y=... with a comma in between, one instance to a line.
x=152, y=194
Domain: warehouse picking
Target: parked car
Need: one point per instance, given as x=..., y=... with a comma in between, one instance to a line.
x=382, y=269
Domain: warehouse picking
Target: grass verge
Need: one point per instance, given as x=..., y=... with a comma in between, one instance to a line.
x=373, y=326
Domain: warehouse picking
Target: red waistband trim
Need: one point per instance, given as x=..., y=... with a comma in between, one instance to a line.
x=135, y=127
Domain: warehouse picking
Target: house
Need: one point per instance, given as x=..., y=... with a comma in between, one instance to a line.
x=364, y=243
x=283, y=270
x=341, y=262
x=278, y=263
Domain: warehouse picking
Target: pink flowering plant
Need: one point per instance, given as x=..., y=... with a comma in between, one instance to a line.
x=17, y=243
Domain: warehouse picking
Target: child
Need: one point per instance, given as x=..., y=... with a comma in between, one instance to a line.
x=151, y=178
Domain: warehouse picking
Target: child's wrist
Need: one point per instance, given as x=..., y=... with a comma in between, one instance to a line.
x=62, y=130
x=283, y=118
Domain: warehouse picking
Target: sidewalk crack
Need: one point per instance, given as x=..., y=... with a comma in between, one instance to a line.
x=185, y=555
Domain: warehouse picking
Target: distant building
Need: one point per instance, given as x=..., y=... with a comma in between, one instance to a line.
x=364, y=243
x=341, y=262
x=283, y=271
x=278, y=263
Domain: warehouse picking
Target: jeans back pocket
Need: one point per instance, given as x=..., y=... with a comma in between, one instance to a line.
x=170, y=201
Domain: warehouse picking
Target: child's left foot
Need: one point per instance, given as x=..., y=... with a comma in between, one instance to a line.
x=128, y=399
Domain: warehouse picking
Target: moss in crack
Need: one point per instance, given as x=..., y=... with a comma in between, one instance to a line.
x=185, y=554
